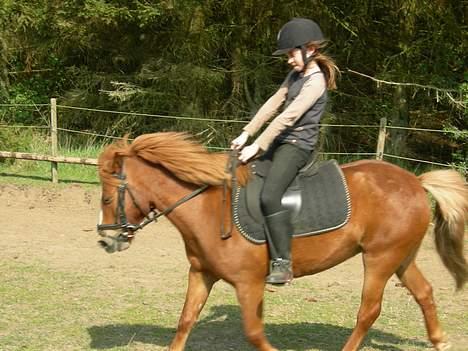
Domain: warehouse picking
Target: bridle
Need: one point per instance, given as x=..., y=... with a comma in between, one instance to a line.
x=121, y=223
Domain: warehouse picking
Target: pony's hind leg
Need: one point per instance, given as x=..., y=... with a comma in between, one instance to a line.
x=421, y=290
x=199, y=287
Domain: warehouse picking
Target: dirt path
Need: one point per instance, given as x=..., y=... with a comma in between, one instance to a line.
x=56, y=225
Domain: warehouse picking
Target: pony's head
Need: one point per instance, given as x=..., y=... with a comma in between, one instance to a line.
x=177, y=153
x=113, y=214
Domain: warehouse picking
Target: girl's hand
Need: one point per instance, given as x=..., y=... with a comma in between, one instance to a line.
x=239, y=142
x=248, y=152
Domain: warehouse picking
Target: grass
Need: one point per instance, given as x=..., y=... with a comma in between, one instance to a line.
x=46, y=309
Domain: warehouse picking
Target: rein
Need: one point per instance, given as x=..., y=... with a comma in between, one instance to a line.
x=129, y=229
x=231, y=167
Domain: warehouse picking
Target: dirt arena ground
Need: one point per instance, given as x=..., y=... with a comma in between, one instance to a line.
x=56, y=225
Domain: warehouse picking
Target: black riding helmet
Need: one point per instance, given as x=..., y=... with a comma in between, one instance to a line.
x=296, y=34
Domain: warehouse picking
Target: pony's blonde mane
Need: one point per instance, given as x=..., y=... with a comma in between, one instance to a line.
x=177, y=152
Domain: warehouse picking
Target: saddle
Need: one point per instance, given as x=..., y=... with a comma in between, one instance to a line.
x=318, y=200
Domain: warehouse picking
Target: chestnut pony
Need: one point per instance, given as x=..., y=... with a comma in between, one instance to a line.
x=171, y=174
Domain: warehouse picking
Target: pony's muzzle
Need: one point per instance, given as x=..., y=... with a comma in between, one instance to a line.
x=111, y=244
x=108, y=242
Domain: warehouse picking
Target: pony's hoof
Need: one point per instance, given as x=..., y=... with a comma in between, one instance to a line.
x=442, y=346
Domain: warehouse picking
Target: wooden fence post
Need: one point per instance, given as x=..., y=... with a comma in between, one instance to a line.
x=53, y=138
x=381, y=141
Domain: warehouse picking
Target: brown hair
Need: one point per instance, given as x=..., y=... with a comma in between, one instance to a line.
x=326, y=63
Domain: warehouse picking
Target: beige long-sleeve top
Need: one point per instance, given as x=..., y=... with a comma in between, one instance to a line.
x=311, y=91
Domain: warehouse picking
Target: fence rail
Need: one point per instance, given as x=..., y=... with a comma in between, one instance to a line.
x=54, y=158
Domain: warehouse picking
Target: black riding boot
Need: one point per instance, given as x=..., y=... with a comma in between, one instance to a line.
x=279, y=232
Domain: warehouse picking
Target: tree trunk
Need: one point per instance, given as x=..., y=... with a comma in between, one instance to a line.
x=3, y=68
x=399, y=118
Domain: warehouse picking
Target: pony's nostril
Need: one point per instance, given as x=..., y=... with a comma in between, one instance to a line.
x=108, y=244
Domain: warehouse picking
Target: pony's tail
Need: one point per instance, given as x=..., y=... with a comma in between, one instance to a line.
x=451, y=195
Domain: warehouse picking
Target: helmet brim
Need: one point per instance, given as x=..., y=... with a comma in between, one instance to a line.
x=281, y=52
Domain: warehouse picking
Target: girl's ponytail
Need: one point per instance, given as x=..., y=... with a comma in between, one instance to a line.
x=326, y=64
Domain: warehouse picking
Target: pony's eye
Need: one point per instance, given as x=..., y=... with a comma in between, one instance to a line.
x=107, y=200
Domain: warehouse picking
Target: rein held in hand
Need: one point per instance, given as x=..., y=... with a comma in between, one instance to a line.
x=231, y=167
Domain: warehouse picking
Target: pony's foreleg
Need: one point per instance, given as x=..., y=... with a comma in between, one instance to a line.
x=375, y=279
x=199, y=287
x=250, y=296
x=421, y=290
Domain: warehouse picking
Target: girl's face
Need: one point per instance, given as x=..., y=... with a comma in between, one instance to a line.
x=295, y=58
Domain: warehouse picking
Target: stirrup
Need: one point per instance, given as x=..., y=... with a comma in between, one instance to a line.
x=280, y=272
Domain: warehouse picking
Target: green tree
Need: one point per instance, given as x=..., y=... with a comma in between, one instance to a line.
x=213, y=59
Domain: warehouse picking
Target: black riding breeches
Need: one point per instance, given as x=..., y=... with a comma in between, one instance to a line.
x=287, y=160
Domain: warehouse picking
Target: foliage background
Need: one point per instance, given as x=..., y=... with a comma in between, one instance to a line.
x=213, y=59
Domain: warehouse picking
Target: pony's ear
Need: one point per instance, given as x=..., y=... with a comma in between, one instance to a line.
x=110, y=161
x=116, y=163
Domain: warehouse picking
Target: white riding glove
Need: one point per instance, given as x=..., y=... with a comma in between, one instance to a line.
x=239, y=142
x=248, y=152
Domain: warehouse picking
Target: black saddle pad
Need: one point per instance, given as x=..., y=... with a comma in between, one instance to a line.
x=318, y=198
